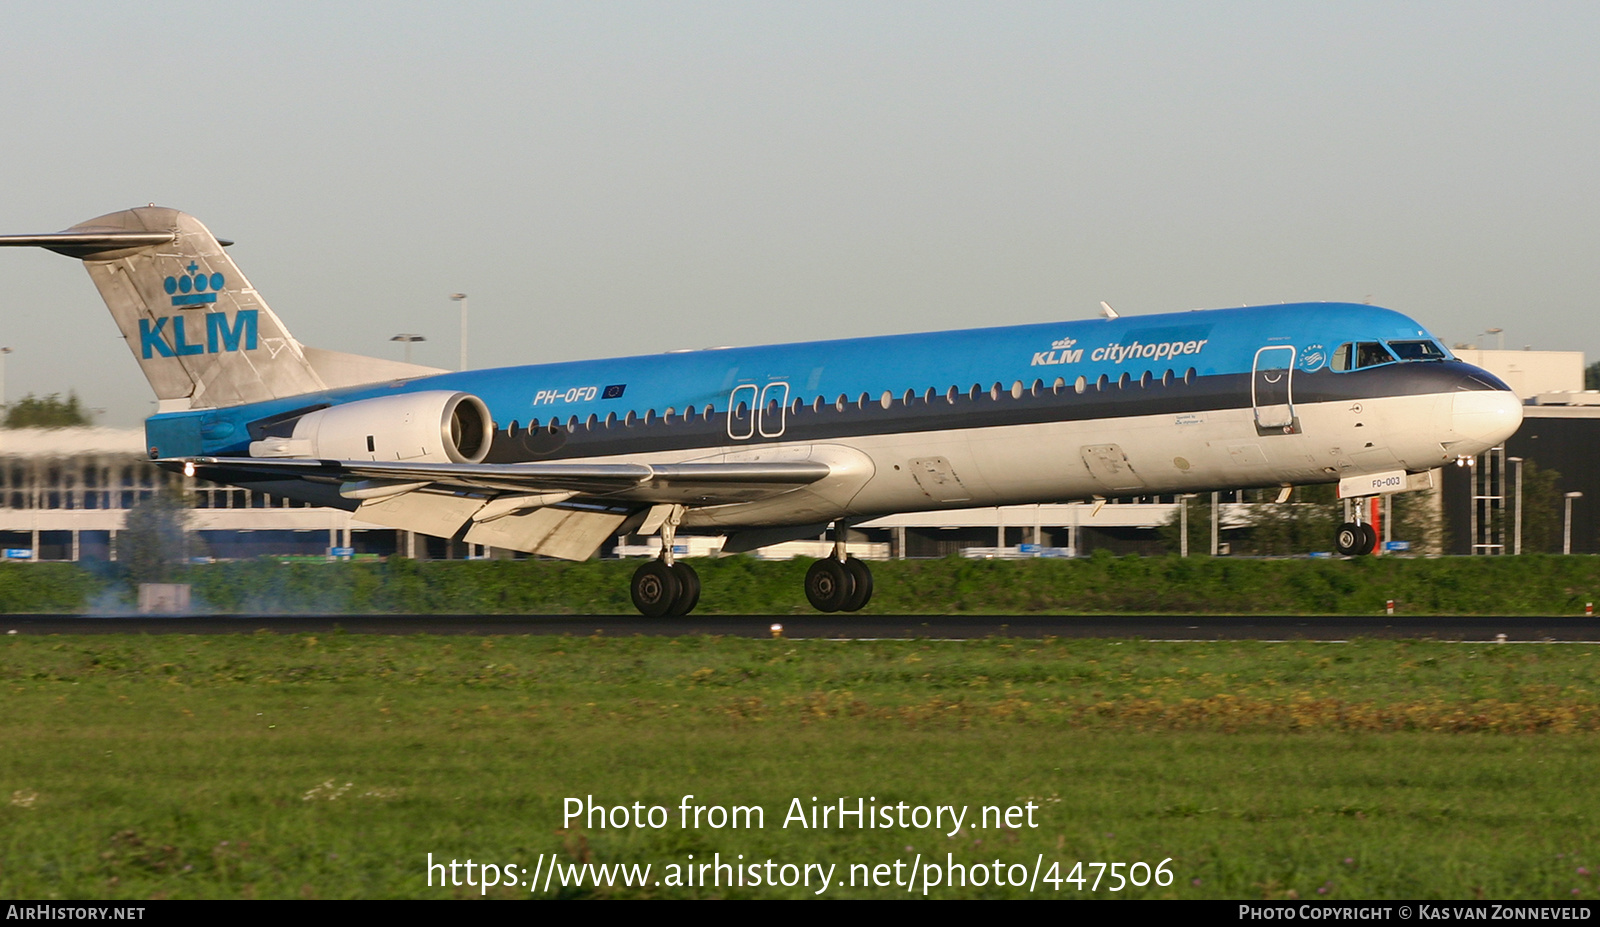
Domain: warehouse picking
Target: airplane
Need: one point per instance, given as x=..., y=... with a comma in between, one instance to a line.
x=773, y=443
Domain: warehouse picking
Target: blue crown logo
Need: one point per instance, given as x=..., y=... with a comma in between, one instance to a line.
x=194, y=288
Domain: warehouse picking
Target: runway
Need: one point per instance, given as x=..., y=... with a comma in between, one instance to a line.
x=1519, y=629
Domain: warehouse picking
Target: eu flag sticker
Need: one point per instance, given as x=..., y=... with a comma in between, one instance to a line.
x=614, y=391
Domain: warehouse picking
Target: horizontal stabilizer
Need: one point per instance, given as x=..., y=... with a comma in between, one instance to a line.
x=87, y=243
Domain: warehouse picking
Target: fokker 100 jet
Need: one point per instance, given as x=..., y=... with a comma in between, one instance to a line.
x=767, y=444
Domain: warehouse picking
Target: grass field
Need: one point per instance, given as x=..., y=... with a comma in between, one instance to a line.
x=295, y=766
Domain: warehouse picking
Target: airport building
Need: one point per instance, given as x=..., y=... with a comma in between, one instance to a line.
x=65, y=494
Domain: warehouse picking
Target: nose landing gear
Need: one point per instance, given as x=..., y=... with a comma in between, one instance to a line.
x=1354, y=539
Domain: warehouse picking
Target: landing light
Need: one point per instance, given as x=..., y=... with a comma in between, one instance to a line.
x=188, y=468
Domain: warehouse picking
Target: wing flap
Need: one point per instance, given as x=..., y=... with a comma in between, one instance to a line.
x=437, y=514
x=567, y=534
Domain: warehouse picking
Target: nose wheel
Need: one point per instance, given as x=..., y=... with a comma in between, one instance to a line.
x=1354, y=539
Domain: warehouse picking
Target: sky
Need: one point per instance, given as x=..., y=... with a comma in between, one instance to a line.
x=608, y=179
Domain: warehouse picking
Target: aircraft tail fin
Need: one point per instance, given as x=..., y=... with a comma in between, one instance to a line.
x=201, y=333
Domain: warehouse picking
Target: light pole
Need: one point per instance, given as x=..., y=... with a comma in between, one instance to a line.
x=462, y=299
x=1516, y=524
x=1566, y=527
x=408, y=339
x=1183, y=525
x=1500, y=337
x=1214, y=522
x=3, y=353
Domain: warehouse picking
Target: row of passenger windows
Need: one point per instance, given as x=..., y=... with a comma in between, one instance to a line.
x=863, y=401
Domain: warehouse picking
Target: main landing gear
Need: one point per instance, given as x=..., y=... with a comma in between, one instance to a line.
x=838, y=583
x=661, y=589
x=1354, y=539
x=666, y=587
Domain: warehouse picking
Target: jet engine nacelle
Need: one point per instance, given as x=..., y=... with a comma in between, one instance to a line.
x=438, y=426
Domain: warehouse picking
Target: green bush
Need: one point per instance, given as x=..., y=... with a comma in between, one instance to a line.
x=1530, y=584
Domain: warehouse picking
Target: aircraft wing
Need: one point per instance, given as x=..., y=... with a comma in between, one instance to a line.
x=705, y=483
x=558, y=509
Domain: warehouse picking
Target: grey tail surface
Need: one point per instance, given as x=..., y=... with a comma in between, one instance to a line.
x=201, y=333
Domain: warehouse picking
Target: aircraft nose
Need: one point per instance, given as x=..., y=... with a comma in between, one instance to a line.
x=1483, y=418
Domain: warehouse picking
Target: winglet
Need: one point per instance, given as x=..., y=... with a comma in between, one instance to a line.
x=1106, y=310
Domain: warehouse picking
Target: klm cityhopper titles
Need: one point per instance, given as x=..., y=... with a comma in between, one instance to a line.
x=772, y=443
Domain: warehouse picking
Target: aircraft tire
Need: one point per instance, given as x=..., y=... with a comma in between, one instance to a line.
x=688, y=589
x=1371, y=535
x=863, y=582
x=1353, y=540
x=829, y=585
x=655, y=589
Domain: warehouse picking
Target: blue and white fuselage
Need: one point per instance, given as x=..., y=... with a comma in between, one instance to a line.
x=983, y=417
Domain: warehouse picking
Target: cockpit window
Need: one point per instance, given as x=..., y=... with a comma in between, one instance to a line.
x=1371, y=354
x=1416, y=350
x=1341, y=358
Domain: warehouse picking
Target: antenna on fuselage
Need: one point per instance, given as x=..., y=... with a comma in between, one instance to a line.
x=1106, y=310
